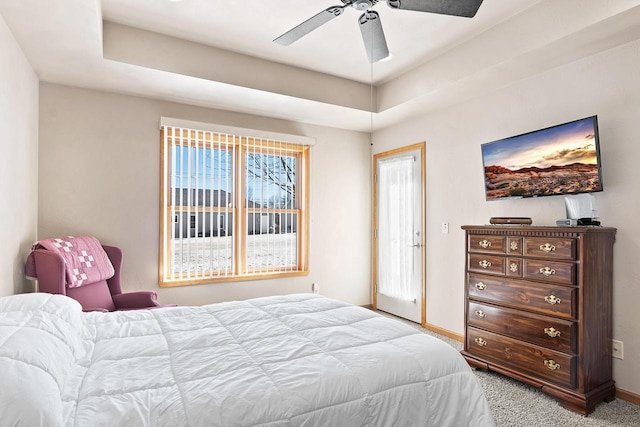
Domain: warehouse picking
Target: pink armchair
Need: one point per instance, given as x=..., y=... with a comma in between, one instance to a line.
x=104, y=295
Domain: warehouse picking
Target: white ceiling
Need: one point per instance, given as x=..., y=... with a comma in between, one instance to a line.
x=220, y=54
x=248, y=27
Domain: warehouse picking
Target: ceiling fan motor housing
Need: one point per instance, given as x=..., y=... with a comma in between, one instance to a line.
x=363, y=4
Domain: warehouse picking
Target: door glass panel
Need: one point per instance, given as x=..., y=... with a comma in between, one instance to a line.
x=396, y=228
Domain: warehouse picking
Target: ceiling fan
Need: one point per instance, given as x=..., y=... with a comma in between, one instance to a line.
x=375, y=42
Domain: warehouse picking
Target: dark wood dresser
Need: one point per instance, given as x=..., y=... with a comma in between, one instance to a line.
x=538, y=308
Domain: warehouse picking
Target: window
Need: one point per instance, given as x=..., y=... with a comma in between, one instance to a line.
x=233, y=206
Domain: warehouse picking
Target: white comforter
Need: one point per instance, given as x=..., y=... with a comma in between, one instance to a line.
x=297, y=360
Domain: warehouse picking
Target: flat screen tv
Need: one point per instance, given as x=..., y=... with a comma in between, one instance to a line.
x=562, y=159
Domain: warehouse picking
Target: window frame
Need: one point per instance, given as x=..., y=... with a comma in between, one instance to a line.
x=239, y=144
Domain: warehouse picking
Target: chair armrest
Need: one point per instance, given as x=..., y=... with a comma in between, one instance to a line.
x=133, y=300
x=50, y=272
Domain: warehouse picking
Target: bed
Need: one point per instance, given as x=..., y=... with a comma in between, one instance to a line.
x=294, y=360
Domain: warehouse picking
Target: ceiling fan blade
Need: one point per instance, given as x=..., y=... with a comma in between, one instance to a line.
x=464, y=8
x=309, y=25
x=373, y=36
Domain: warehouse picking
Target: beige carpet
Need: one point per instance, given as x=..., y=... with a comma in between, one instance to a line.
x=516, y=404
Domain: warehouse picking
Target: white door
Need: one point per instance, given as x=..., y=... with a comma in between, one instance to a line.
x=398, y=234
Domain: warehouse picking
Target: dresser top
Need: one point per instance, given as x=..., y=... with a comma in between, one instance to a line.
x=536, y=229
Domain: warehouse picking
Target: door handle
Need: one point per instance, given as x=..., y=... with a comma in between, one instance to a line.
x=417, y=245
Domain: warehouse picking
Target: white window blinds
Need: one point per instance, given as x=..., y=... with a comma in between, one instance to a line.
x=232, y=206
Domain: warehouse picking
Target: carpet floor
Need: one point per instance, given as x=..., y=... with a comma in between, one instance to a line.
x=516, y=404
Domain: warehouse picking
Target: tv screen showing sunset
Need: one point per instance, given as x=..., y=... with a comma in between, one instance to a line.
x=558, y=160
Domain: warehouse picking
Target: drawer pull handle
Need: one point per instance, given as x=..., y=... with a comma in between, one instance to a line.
x=547, y=247
x=484, y=263
x=552, y=299
x=481, y=314
x=485, y=243
x=481, y=286
x=551, y=364
x=546, y=271
x=480, y=342
x=552, y=332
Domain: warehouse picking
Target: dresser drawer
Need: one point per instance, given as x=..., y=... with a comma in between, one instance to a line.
x=537, y=297
x=487, y=263
x=541, y=362
x=553, y=248
x=549, y=271
x=489, y=244
x=550, y=332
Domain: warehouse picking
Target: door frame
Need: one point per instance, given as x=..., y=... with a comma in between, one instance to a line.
x=421, y=146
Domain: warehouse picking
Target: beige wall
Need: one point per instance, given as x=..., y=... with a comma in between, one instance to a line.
x=99, y=175
x=18, y=162
x=608, y=85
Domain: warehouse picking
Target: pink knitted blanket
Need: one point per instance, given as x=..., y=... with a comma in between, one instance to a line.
x=84, y=258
